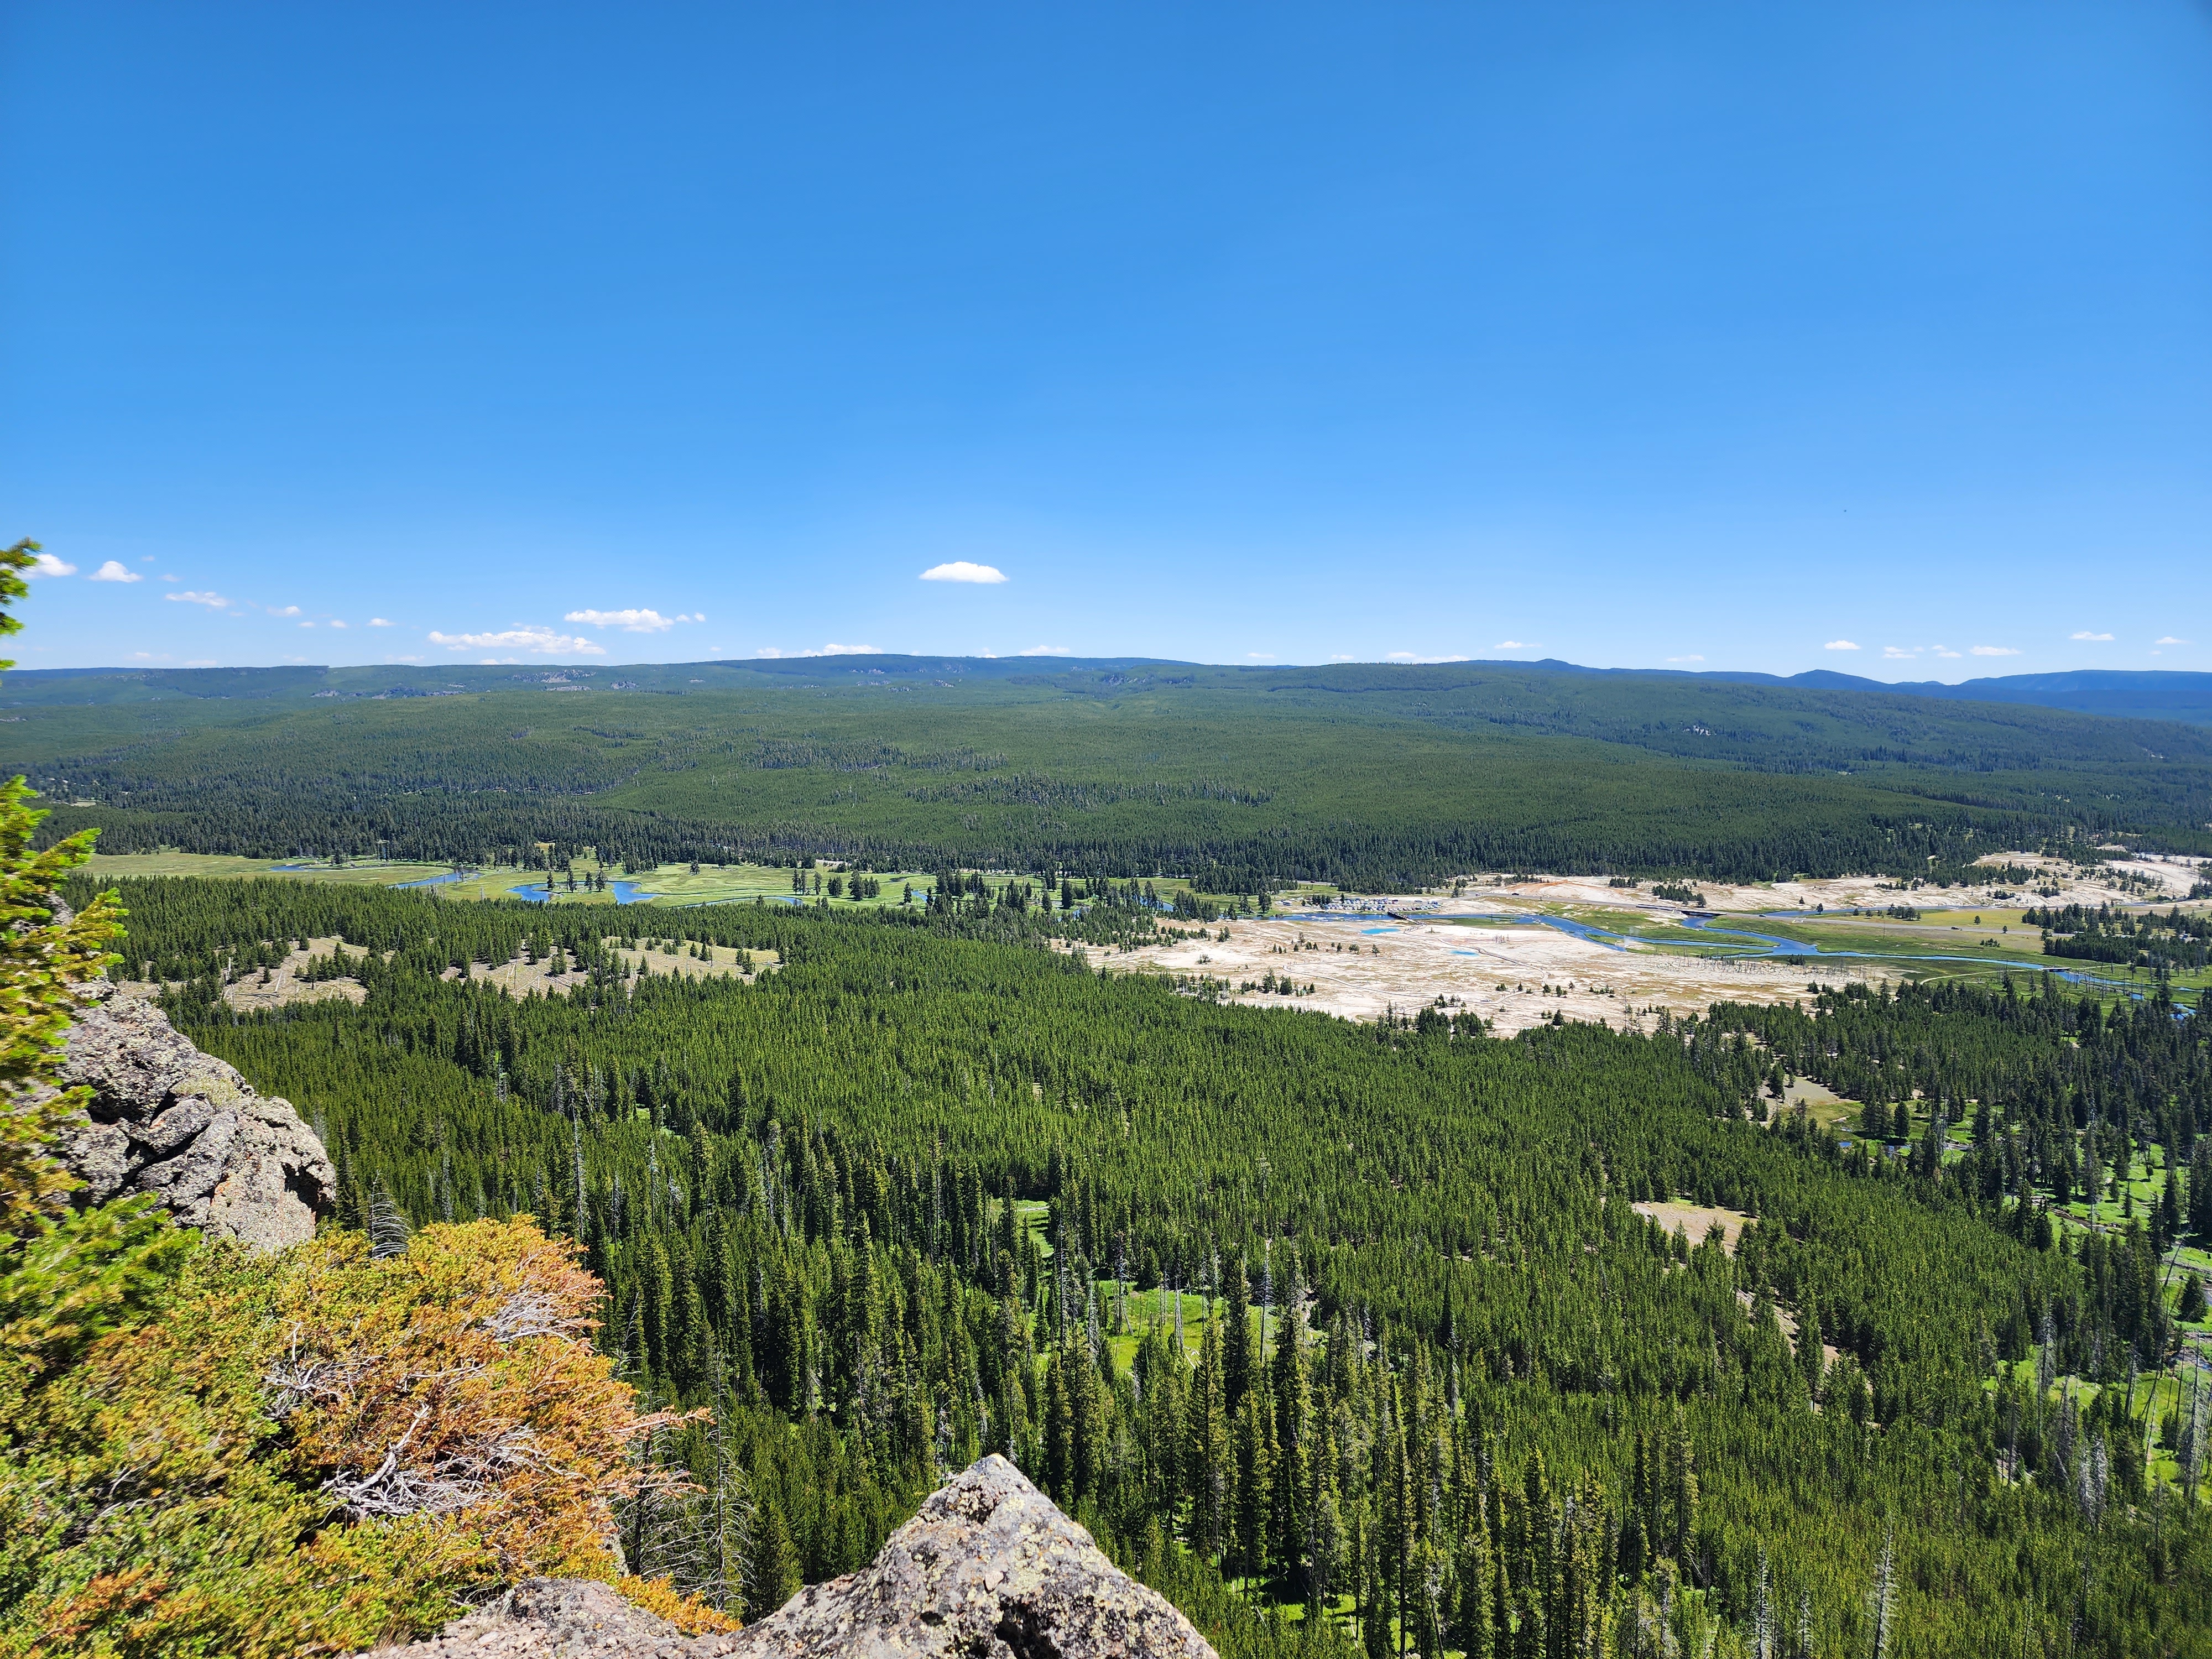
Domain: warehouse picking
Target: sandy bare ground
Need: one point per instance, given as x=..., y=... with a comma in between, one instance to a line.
x=517, y=978
x=1363, y=966
x=1695, y=1219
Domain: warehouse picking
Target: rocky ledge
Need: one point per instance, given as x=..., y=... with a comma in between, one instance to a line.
x=168, y=1120
x=988, y=1570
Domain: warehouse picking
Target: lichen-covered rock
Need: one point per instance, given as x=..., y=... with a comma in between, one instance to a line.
x=989, y=1566
x=562, y=1619
x=988, y=1570
x=168, y=1120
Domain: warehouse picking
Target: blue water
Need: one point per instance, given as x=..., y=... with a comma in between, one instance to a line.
x=1584, y=930
x=434, y=881
x=626, y=892
x=1378, y=930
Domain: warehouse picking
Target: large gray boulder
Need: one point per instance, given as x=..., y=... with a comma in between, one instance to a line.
x=168, y=1120
x=988, y=1570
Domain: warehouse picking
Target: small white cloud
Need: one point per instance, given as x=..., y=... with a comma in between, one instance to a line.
x=960, y=570
x=1688, y=658
x=115, y=571
x=378, y=622
x=1840, y=645
x=632, y=621
x=2170, y=640
x=1898, y=653
x=213, y=601
x=337, y=624
x=2084, y=634
x=1944, y=650
x=150, y=656
x=306, y=624
x=1258, y=656
x=1045, y=651
x=852, y=650
x=45, y=564
x=1514, y=645
x=171, y=579
x=147, y=559
x=539, y=642
x=1344, y=656
x=1409, y=656
x=284, y=610
x=202, y=662
x=1994, y=650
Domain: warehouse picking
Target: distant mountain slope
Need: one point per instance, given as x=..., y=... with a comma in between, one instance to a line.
x=2129, y=693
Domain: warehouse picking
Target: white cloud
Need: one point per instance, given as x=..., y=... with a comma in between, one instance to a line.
x=1689, y=659
x=202, y=662
x=540, y=641
x=2170, y=640
x=306, y=624
x=213, y=601
x=1408, y=656
x=337, y=624
x=1840, y=645
x=960, y=570
x=282, y=610
x=1258, y=656
x=770, y=653
x=150, y=656
x=166, y=578
x=1514, y=645
x=1994, y=650
x=1896, y=654
x=632, y=621
x=45, y=564
x=1045, y=651
x=1946, y=651
x=2084, y=634
x=378, y=622
x=115, y=571
x=1344, y=656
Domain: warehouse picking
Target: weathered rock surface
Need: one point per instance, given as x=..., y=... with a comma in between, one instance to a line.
x=988, y=1570
x=168, y=1120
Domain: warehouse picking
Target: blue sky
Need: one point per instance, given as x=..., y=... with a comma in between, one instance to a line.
x=1700, y=335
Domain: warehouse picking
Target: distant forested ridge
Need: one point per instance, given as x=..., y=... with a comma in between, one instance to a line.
x=917, y=1194
x=1372, y=777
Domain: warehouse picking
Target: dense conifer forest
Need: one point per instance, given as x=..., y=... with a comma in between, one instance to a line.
x=1348, y=1337
x=1372, y=777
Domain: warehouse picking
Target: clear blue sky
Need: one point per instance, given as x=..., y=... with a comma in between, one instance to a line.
x=1634, y=334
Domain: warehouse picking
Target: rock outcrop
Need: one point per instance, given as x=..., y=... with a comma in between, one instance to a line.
x=168, y=1120
x=988, y=1570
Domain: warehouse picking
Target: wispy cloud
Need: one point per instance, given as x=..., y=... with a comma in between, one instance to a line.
x=45, y=564
x=336, y=623
x=1258, y=656
x=115, y=571
x=213, y=601
x=282, y=610
x=378, y=622
x=770, y=653
x=1944, y=650
x=1688, y=658
x=1898, y=653
x=1516, y=645
x=960, y=570
x=2170, y=640
x=1840, y=645
x=635, y=621
x=1994, y=650
x=2084, y=634
x=1343, y=656
x=539, y=642
x=1045, y=651
x=1411, y=656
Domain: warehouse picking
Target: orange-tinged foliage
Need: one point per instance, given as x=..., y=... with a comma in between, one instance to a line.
x=314, y=1452
x=687, y=1613
x=458, y=1379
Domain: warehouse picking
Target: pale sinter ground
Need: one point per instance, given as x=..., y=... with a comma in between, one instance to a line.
x=1363, y=965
